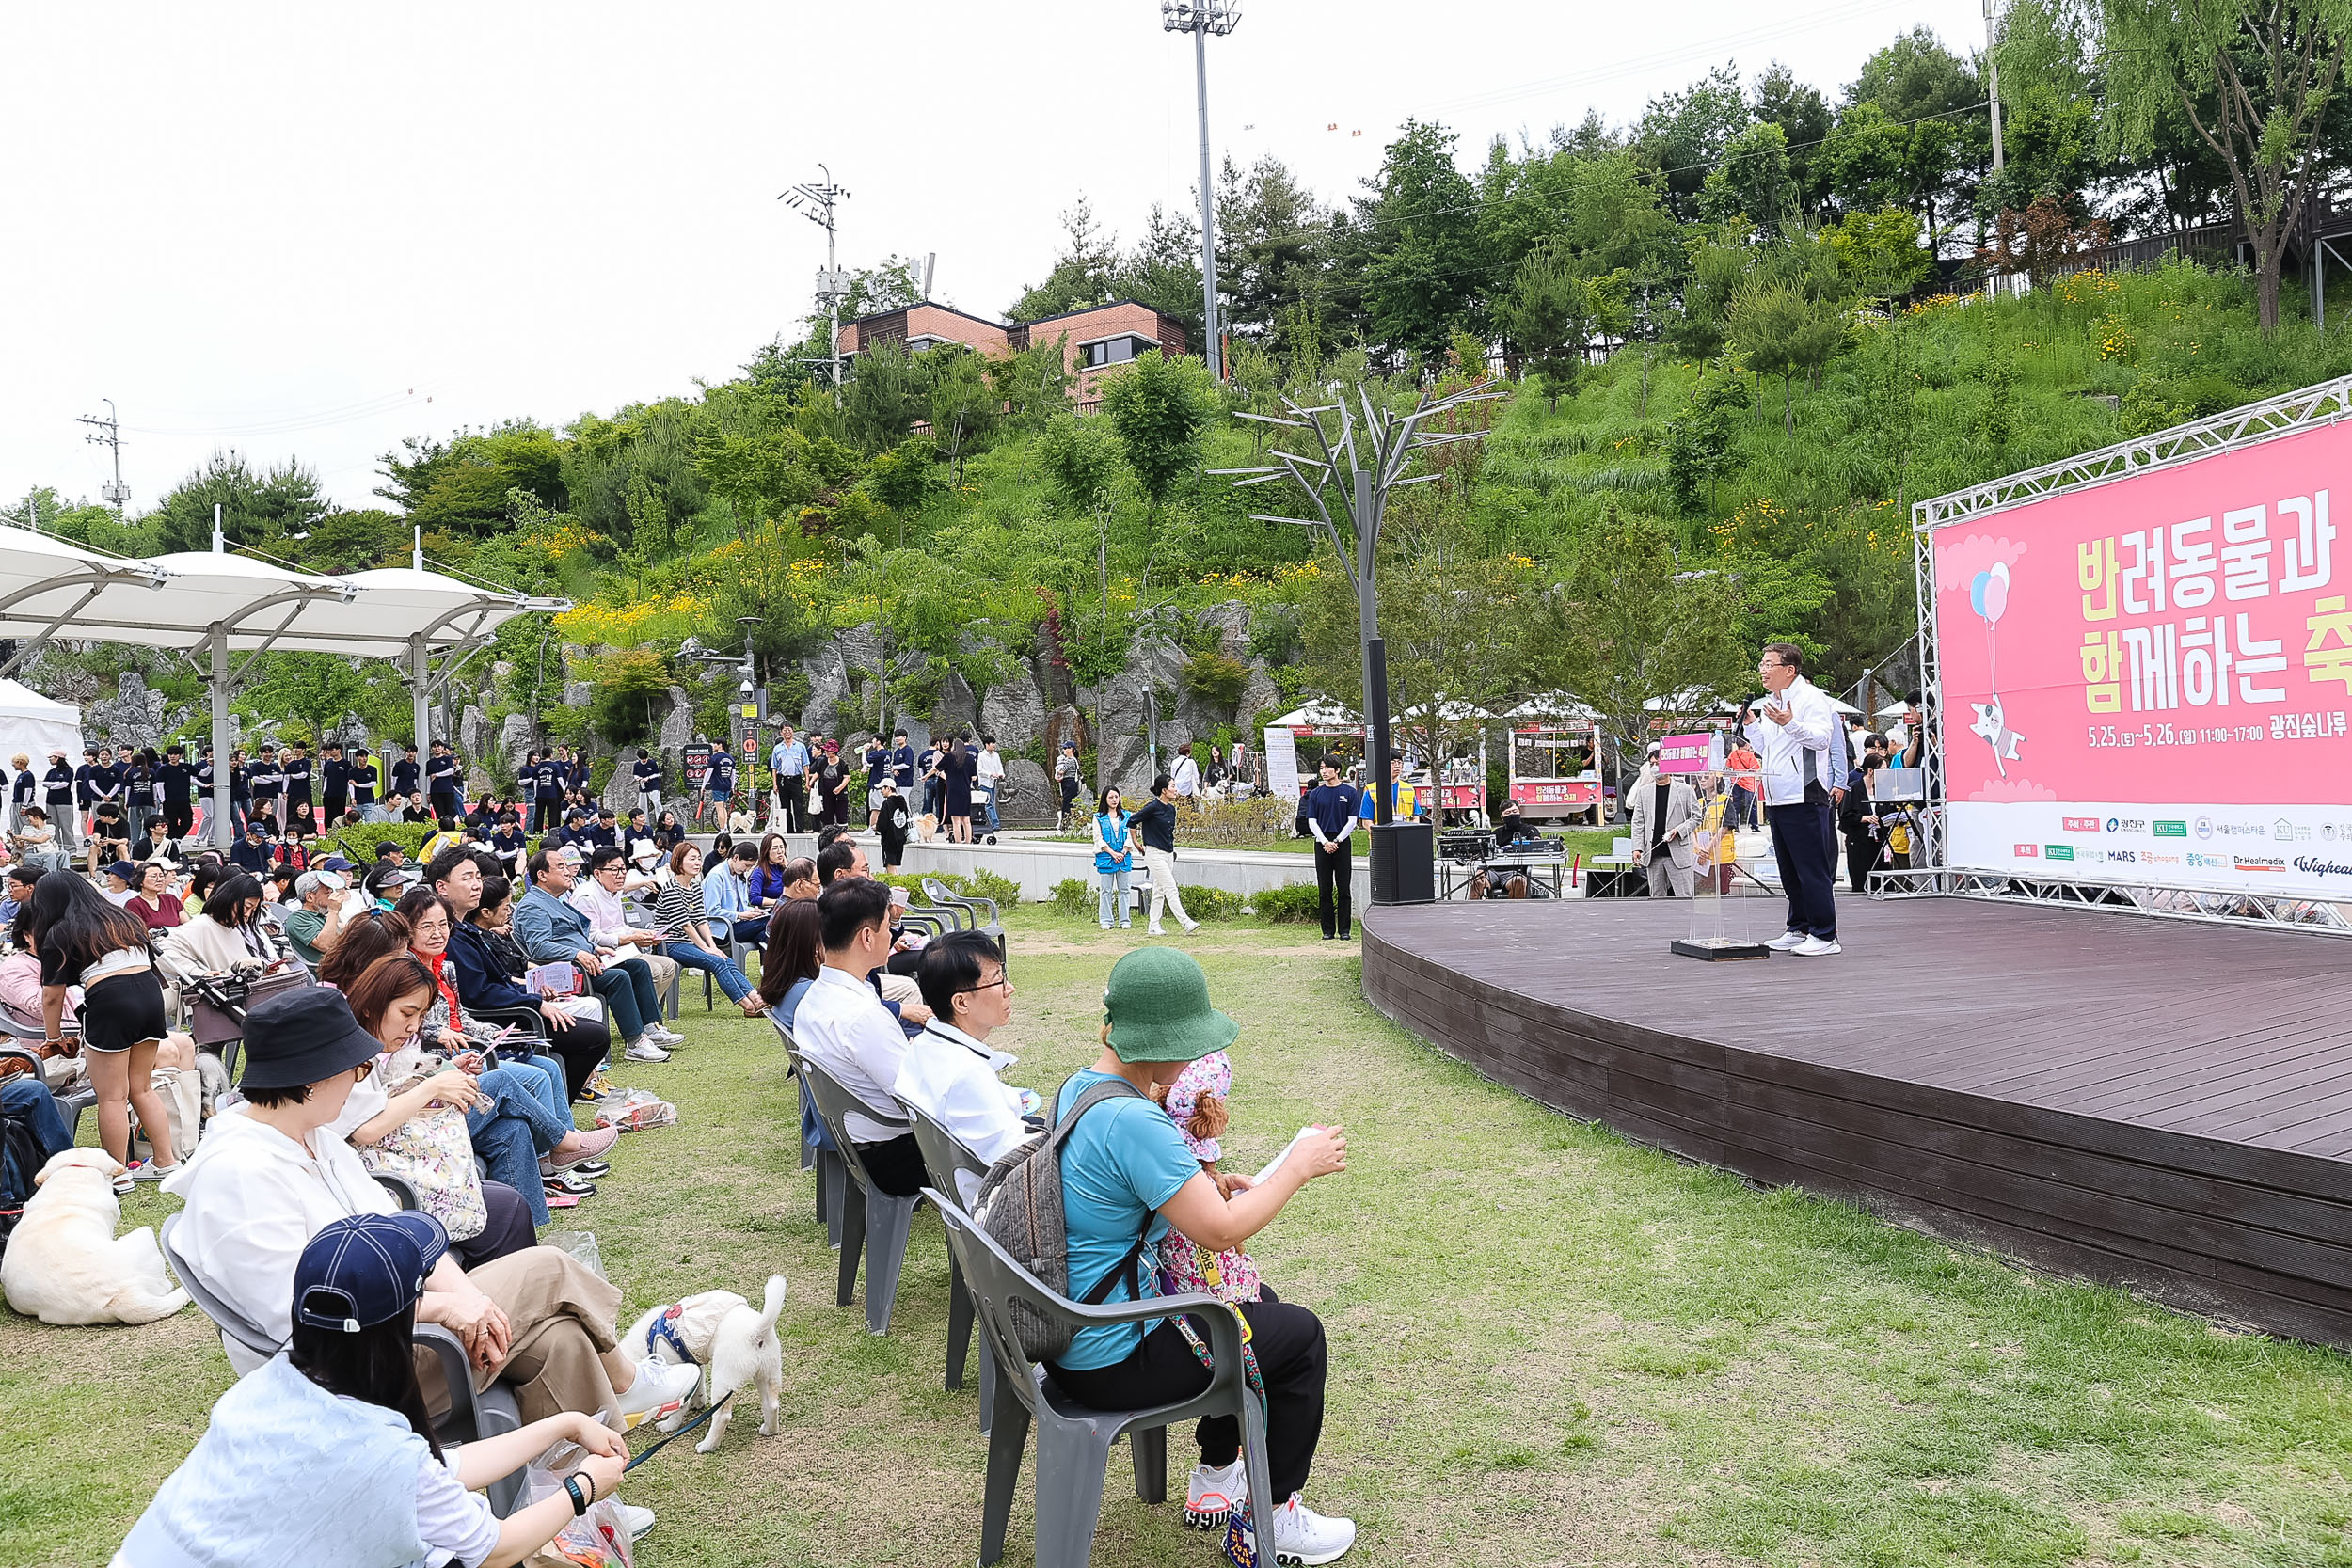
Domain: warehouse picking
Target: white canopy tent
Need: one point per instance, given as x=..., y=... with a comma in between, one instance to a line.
x=208, y=605
x=34, y=726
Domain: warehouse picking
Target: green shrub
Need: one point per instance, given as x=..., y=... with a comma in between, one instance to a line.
x=1213, y=903
x=984, y=883
x=358, y=844
x=1291, y=904
x=1216, y=679
x=1073, y=896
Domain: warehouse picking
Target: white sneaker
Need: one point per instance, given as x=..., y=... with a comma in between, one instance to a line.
x=642, y=1049
x=1212, y=1496
x=639, y=1520
x=1154, y=931
x=1191, y=926
x=663, y=1035
x=1814, y=947
x=660, y=1385
x=1789, y=941
x=1303, y=1536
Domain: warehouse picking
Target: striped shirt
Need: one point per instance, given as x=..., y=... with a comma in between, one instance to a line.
x=680, y=903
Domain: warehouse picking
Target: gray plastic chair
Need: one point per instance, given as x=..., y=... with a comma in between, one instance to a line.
x=871, y=1220
x=815, y=1156
x=473, y=1415
x=943, y=1156
x=981, y=914
x=1073, y=1441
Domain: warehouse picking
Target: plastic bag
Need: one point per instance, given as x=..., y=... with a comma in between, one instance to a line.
x=597, y=1539
x=581, y=1244
x=635, y=1109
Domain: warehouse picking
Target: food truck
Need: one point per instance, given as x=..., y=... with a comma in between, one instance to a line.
x=1555, y=762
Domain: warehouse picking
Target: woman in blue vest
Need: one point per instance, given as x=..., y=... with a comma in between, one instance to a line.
x=324, y=1452
x=1114, y=856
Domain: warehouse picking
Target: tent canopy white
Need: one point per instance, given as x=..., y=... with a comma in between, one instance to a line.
x=33, y=726
x=220, y=605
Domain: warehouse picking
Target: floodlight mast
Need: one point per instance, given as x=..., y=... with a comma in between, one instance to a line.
x=813, y=200
x=1335, y=478
x=1200, y=18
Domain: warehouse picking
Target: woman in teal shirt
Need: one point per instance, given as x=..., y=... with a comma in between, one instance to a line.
x=1114, y=856
x=1126, y=1170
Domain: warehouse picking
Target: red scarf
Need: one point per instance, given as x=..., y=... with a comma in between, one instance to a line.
x=449, y=994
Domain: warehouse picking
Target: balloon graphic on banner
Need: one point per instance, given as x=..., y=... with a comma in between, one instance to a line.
x=1995, y=595
x=1988, y=595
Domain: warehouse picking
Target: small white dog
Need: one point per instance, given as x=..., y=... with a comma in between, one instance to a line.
x=718, y=1331
x=66, y=1265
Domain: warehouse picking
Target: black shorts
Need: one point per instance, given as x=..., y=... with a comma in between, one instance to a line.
x=123, y=1010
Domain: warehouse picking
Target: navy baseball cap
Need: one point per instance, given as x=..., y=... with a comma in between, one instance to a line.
x=335, y=863
x=366, y=1270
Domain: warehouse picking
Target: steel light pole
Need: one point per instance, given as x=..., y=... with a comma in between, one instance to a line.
x=1200, y=18
x=1351, y=478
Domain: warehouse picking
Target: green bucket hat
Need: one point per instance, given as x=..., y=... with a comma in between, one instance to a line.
x=1157, y=1004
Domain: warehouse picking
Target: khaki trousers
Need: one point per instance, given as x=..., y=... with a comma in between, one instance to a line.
x=563, y=1318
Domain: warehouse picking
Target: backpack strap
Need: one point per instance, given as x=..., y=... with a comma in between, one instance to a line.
x=1113, y=1088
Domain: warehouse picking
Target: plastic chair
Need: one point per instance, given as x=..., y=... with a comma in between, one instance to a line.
x=871, y=1219
x=945, y=1155
x=815, y=1156
x=973, y=906
x=1073, y=1441
x=473, y=1415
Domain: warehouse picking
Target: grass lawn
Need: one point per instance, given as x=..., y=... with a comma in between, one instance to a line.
x=1548, y=1345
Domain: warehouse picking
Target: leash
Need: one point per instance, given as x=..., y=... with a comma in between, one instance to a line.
x=672, y=1437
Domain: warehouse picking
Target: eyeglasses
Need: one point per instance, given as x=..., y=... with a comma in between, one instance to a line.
x=1005, y=980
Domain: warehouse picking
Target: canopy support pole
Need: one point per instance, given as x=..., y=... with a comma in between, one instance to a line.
x=223, y=740
x=421, y=697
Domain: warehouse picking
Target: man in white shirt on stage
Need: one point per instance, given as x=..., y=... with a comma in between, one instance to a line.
x=1801, y=740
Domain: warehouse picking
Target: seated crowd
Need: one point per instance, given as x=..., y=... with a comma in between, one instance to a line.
x=424, y=1038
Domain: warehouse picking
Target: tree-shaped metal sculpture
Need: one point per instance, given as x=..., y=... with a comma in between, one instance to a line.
x=1358, y=464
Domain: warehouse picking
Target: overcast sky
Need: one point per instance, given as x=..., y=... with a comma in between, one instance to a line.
x=311, y=230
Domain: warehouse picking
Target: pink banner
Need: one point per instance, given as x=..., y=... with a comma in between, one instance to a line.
x=1689, y=754
x=2177, y=640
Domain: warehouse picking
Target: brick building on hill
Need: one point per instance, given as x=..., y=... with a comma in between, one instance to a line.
x=1095, y=341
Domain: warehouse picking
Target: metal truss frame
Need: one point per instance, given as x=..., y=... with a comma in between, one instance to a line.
x=2289, y=414
x=2313, y=915
x=2284, y=414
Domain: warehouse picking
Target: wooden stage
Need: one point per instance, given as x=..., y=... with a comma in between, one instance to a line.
x=2152, y=1103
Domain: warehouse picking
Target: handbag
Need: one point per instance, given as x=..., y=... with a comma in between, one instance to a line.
x=216, y=1014
x=434, y=1152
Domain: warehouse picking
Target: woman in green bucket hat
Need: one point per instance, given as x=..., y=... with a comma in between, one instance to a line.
x=1126, y=1167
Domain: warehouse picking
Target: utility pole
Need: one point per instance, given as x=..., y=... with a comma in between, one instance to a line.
x=114, y=495
x=1992, y=72
x=1200, y=18
x=813, y=200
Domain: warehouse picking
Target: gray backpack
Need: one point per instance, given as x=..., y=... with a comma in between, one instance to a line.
x=1019, y=1207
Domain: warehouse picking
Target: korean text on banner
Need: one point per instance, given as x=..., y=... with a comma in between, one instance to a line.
x=2151, y=678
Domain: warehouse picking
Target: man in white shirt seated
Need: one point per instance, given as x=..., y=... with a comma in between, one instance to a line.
x=950, y=1071
x=843, y=1027
x=597, y=896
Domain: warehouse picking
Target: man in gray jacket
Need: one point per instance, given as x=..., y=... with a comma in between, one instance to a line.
x=1665, y=814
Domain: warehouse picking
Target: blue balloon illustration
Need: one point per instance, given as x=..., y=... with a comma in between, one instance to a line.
x=1976, y=591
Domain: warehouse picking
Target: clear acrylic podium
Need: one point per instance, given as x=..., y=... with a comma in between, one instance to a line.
x=1718, y=926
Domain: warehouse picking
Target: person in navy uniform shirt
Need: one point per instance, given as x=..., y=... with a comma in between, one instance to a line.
x=335, y=781
x=442, y=782
x=406, y=775
x=1328, y=812
x=295, y=766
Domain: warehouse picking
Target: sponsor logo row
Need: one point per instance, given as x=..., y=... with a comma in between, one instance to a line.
x=2193, y=860
x=2281, y=830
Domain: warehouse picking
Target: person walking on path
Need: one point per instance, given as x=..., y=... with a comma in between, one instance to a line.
x=1802, y=744
x=1155, y=825
x=1066, y=779
x=789, y=762
x=1328, y=812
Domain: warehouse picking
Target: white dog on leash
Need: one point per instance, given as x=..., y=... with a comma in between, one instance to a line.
x=718, y=1331
x=66, y=1265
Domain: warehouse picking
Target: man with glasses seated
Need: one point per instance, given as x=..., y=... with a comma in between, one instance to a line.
x=597, y=895
x=950, y=1071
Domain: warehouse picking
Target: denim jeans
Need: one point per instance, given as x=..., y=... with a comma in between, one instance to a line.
x=513, y=1126
x=627, y=987
x=27, y=1096
x=730, y=978
x=1113, y=895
